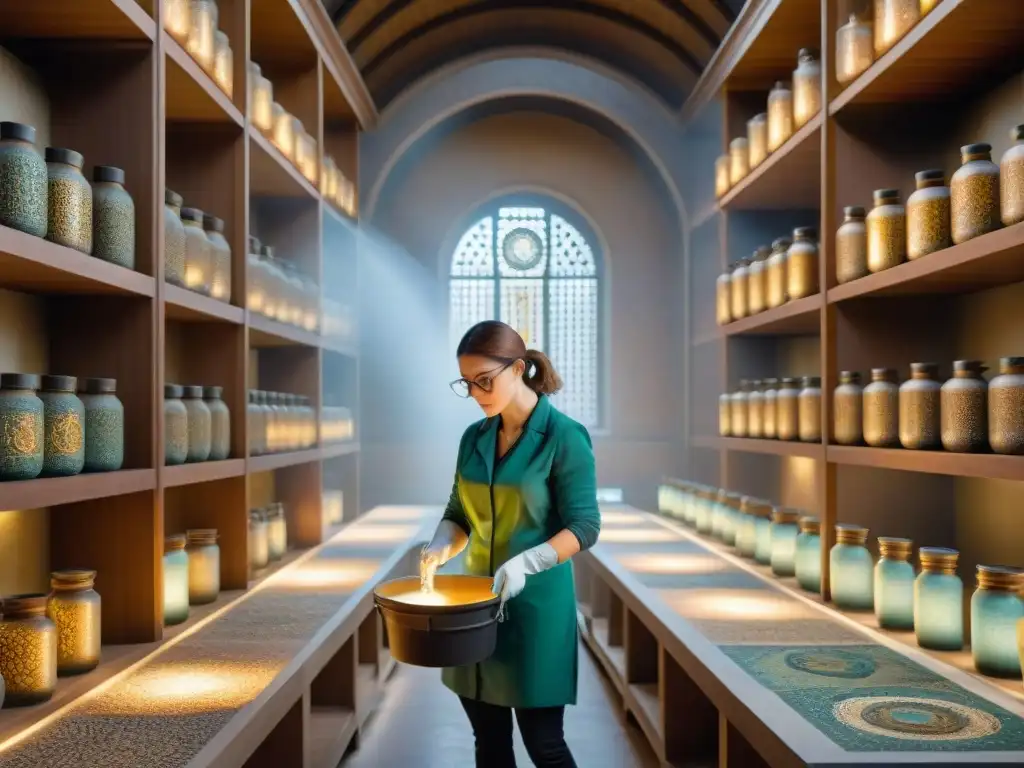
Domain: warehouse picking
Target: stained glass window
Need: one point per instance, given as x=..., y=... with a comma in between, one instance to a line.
x=533, y=267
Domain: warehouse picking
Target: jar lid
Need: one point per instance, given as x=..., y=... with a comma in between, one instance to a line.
x=780, y=85
x=805, y=233
x=847, y=533
x=925, y=369
x=786, y=516
x=201, y=535
x=257, y=516
x=173, y=198
x=1017, y=134
x=807, y=54
x=881, y=196
x=739, y=141
x=760, y=117
x=192, y=392
x=175, y=542
x=192, y=214
x=854, y=212
x=19, y=381
x=59, y=383
x=760, y=508
x=65, y=156
x=781, y=243
x=811, y=381
x=72, y=579
x=932, y=175
x=895, y=548
x=762, y=252
x=1011, y=362
x=172, y=391
x=770, y=382
x=24, y=606
x=789, y=381
x=17, y=132
x=212, y=223
x=1000, y=577
x=970, y=366
x=981, y=148
x=810, y=524
x=938, y=557
x=268, y=251
x=212, y=393
x=883, y=374
x=98, y=386
x=849, y=377
x=107, y=173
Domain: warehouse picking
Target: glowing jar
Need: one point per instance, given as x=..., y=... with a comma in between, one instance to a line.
x=757, y=139
x=734, y=517
x=705, y=506
x=198, y=263
x=996, y=609
x=175, y=578
x=261, y=99
x=220, y=258
x=757, y=281
x=28, y=651
x=852, y=246
x=780, y=115
x=739, y=160
x=807, y=559
x=723, y=299
x=852, y=569
x=802, y=264
x=806, y=87
x=893, y=19
x=738, y=414
x=259, y=551
x=277, y=531
x=755, y=410
x=928, y=227
x=738, y=289
x=223, y=64
x=854, y=49
x=887, y=231
x=894, y=584
x=200, y=424
x=763, y=535
x=974, y=194
x=775, y=278
x=746, y=528
x=939, y=601
x=178, y=19
x=787, y=409
x=848, y=410
x=920, y=402
x=771, y=399
x=201, y=43
x=74, y=607
x=283, y=131
x=963, y=403
x=203, y=566
x=784, y=531
x=305, y=156
x=722, y=167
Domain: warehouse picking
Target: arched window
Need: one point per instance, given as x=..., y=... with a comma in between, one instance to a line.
x=533, y=264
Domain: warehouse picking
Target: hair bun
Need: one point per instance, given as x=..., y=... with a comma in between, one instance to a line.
x=543, y=378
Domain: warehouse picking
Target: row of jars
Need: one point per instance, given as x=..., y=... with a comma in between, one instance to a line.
x=56, y=426
x=197, y=424
x=782, y=409
x=194, y=24
x=191, y=572
x=268, y=535
x=981, y=197
x=279, y=290
x=46, y=636
x=789, y=108
x=859, y=42
x=930, y=603
x=338, y=424
x=197, y=256
x=965, y=414
x=48, y=196
x=772, y=276
x=280, y=422
x=285, y=130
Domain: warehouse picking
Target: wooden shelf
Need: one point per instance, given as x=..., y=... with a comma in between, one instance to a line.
x=192, y=95
x=51, y=491
x=188, y=306
x=272, y=174
x=281, y=460
x=801, y=317
x=202, y=472
x=264, y=332
x=76, y=19
x=984, y=465
x=333, y=450
x=646, y=707
x=754, y=445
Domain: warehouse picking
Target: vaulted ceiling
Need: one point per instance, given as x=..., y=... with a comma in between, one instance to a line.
x=663, y=44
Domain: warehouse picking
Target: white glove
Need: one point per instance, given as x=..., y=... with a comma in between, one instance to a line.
x=510, y=579
x=441, y=548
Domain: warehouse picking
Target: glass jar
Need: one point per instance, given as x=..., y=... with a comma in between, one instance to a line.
x=23, y=189
x=309, y=419
x=201, y=44
x=74, y=608
x=220, y=423
x=848, y=410
x=1006, y=407
x=174, y=239
x=223, y=63
x=964, y=408
x=802, y=264
x=255, y=417
x=175, y=578
x=725, y=414
x=757, y=139
x=854, y=49
x=175, y=426
x=259, y=548
x=809, y=410
x=893, y=19
x=328, y=182
x=277, y=531
x=763, y=534
x=785, y=529
x=723, y=299
x=780, y=115
x=297, y=130
x=198, y=260
x=254, y=294
x=21, y=427
x=702, y=510
x=806, y=87
x=920, y=420
x=739, y=160
x=852, y=246
x=283, y=136
x=722, y=167
x=178, y=19
x=974, y=194
x=807, y=560
x=887, y=231
x=203, y=566
x=739, y=409
x=68, y=200
x=334, y=506
x=113, y=223
x=928, y=215
x=751, y=510
x=881, y=409
x=738, y=289
x=267, y=402
x=852, y=569
x=894, y=584
x=771, y=396
x=200, y=424
x=104, y=425
x=271, y=276
x=755, y=410
x=997, y=608
x=719, y=514
x=757, y=283
x=939, y=601
x=220, y=258
x=63, y=427
x=1011, y=180
x=775, y=273
x=28, y=651
x=261, y=99
x=787, y=411
x=733, y=517
x=306, y=157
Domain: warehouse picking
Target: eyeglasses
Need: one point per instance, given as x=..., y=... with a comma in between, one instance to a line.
x=485, y=382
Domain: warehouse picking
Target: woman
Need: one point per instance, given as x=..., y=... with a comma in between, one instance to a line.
x=524, y=502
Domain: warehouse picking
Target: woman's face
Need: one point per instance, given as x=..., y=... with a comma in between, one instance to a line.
x=491, y=383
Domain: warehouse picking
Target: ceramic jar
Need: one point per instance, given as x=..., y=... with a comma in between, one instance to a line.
x=964, y=407
x=220, y=258
x=939, y=601
x=997, y=607
x=757, y=282
x=894, y=584
x=739, y=160
x=725, y=414
x=852, y=569
x=104, y=425
x=220, y=423
x=887, y=231
x=175, y=426
x=277, y=531
x=259, y=548
x=807, y=560
x=852, y=246
x=784, y=531
x=806, y=87
x=175, y=578
x=809, y=410
x=1006, y=407
x=174, y=239
x=201, y=42
x=739, y=411
x=802, y=264
x=113, y=217
x=882, y=409
x=974, y=192
x=723, y=299
x=1011, y=180
x=261, y=98
x=198, y=261
x=854, y=49
x=223, y=63
x=21, y=427
x=738, y=289
x=787, y=410
x=920, y=409
x=928, y=224
x=848, y=410
x=755, y=410
x=203, y=566
x=200, y=424
x=23, y=186
x=775, y=273
x=68, y=200
x=757, y=139
x=63, y=427
x=74, y=608
x=771, y=397
x=893, y=19
x=28, y=651
x=780, y=115
x=722, y=167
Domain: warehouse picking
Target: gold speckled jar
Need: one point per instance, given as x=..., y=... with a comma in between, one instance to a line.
x=882, y=409
x=920, y=408
x=965, y=408
x=220, y=423
x=175, y=426
x=723, y=299
x=74, y=607
x=775, y=273
x=738, y=411
x=738, y=289
x=198, y=262
x=854, y=49
x=63, y=427
x=852, y=246
x=69, y=200
x=722, y=167
x=1006, y=407
x=220, y=258
x=200, y=424
x=887, y=231
x=787, y=410
x=809, y=410
x=893, y=19
x=974, y=192
x=848, y=410
x=725, y=414
x=780, y=115
x=757, y=281
x=771, y=397
x=174, y=239
x=757, y=139
x=28, y=651
x=802, y=264
x=1011, y=180
x=113, y=226
x=806, y=87
x=739, y=160
x=928, y=228
x=203, y=566
x=755, y=410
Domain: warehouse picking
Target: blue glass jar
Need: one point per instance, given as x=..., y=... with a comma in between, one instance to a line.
x=175, y=580
x=784, y=530
x=894, y=584
x=852, y=569
x=939, y=601
x=996, y=610
x=808, y=555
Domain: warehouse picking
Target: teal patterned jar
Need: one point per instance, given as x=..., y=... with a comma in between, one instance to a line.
x=852, y=569
x=939, y=601
x=996, y=609
x=808, y=555
x=763, y=536
x=21, y=427
x=63, y=427
x=104, y=425
x=894, y=584
x=200, y=424
x=22, y=180
x=175, y=580
x=785, y=529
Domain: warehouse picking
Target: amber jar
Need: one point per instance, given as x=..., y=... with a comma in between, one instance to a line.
x=175, y=426
x=780, y=115
x=920, y=410
x=802, y=264
x=757, y=281
x=723, y=299
x=887, y=231
x=738, y=289
x=974, y=192
x=28, y=651
x=755, y=410
x=787, y=410
x=854, y=49
x=1006, y=407
x=852, y=246
x=771, y=397
x=174, y=239
x=74, y=607
x=739, y=160
x=198, y=264
x=809, y=410
x=964, y=408
x=893, y=19
x=724, y=414
x=738, y=411
x=882, y=409
x=220, y=258
x=113, y=217
x=806, y=87
x=775, y=273
x=928, y=215
x=848, y=410
x=757, y=139
x=1011, y=180
x=69, y=200
x=722, y=167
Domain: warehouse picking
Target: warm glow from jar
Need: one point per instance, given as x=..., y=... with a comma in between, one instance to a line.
x=284, y=133
x=195, y=275
x=178, y=19
x=201, y=44
x=262, y=103
x=223, y=65
x=333, y=502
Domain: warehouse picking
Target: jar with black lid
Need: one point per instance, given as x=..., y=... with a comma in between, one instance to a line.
x=174, y=239
x=220, y=258
x=887, y=231
x=882, y=409
x=1006, y=407
x=809, y=409
x=757, y=283
x=852, y=246
x=739, y=410
x=21, y=427
x=23, y=190
x=220, y=423
x=974, y=192
x=965, y=409
x=63, y=427
x=802, y=264
x=68, y=201
x=920, y=421
x=199, y=424
x=928, y=215
x=175, y=426
x=104, y=425
x=848, y=409
x=113, y=217
x=775, y=273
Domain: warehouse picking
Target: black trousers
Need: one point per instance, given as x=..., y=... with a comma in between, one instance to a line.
x=540, y=727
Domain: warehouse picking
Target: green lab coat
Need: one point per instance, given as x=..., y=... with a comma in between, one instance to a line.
x=545, y=483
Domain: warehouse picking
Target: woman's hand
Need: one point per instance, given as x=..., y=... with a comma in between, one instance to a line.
x=449, y=540
x=510, y=579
